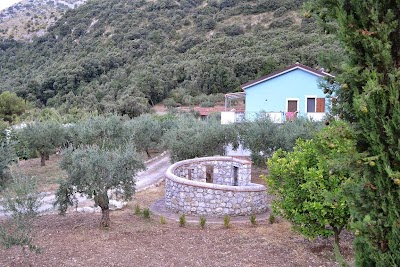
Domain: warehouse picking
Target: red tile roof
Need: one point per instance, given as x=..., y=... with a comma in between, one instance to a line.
x=283, y=71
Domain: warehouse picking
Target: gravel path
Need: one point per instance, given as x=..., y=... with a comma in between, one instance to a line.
x=153, y=175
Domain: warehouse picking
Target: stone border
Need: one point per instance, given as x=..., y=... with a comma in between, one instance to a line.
x=200, y=198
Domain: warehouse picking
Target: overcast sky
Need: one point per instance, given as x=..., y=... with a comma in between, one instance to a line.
x=6, y=3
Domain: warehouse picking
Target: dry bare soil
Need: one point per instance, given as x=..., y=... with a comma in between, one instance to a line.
x=77, y=240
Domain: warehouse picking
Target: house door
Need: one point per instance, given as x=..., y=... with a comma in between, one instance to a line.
x=292, y=106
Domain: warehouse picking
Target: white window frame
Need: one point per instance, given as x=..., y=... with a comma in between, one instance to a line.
x=306, y=105
x=289, y=99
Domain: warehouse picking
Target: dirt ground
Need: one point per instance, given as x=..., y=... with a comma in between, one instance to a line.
x=77, y=240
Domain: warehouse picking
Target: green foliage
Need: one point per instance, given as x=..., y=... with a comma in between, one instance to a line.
x=182, y=220
x=162, y=220
x=227, y=221
x=263, y=137
x=93, y=171
x=21, y=202
x=43, y=137
x=11, y=106
x=202, y=222
x=253, y=219
x=369, y=96
x=137, y=211
x=206, y=138
x=145, y=132
x=7, y=157
x=271, y=218
x=137, y=53
x=106, y=131
x=146, y=213
x=308, y=182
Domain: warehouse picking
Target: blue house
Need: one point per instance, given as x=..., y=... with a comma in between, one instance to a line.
x=283, y=95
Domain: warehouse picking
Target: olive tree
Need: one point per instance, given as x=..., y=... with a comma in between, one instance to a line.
x=7, y=157
x=145, y=132
x=105, y=131
x=263, y=137
x=192, y=138
x=21, y=203
x=43, y=137
x=94, y=171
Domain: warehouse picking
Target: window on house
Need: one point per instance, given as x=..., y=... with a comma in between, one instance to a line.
x=315, y=104
x=311, y=104
x=292, y=105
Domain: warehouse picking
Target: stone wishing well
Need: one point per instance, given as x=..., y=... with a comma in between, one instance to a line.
x=213, y=186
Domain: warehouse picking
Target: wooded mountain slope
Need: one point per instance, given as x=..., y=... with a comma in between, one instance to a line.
x=121, y=55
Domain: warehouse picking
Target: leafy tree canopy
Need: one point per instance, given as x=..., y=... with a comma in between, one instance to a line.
x=93, y=171
x=11, y=106
x=309, y=181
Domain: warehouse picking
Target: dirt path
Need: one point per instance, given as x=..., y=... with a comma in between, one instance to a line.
x=153, y=175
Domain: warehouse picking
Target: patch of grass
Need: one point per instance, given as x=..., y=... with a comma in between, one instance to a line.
x=253, y=219
x=47, y=176
x=146, y=213
x=271, y=219
x=227, y=221
x=203, y=222
x=138, y=211
x=182, y=220
x=162, y=220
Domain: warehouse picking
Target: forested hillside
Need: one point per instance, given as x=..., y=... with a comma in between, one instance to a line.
x=123, y=56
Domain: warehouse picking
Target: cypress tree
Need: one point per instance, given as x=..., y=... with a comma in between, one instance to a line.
x=370, y=32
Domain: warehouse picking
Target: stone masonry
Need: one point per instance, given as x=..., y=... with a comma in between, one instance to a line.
x=188, y=192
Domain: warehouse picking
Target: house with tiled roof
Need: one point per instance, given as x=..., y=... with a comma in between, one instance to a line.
x=282, y=95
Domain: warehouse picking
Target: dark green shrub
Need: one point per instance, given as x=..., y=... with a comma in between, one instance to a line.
x=182, y=220
x=138, y=210
x=271, y=218
x=227, y=221
x=207, y=104
x=253, y=219
x=146, y=213
x=202, y=222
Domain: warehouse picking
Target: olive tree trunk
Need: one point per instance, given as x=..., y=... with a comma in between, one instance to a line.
x=102, y=201
x=42, y=159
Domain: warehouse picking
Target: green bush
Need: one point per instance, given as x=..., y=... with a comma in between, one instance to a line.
x=146, y=213
x=202, y=222
x=308, y=183
x=182, y=220
x=207, y=104
x=271, y=218
x=162, y=220
x=138, y=210
x=253, y=219
x=227, y=221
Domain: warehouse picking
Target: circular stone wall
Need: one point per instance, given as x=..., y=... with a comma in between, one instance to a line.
x=213, y=186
